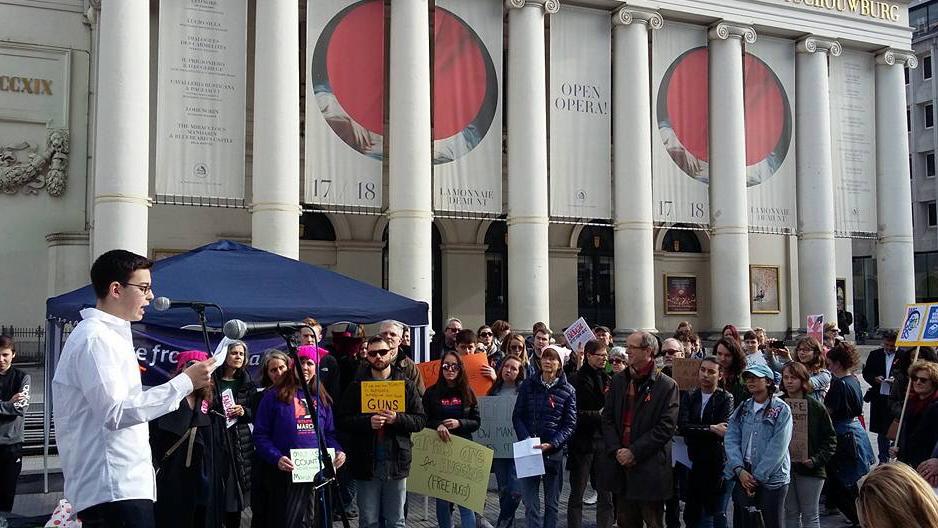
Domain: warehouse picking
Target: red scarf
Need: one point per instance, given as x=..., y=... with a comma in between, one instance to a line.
x=639, y=375
x=918, y=405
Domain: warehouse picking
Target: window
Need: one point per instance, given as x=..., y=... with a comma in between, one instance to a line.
x=932, y=214
x=926, y=67
x=929, y=115
x=929, y=164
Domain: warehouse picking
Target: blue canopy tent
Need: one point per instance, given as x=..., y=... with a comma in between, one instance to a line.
x=248, y=284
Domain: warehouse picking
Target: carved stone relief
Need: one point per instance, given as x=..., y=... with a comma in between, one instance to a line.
x=24, y=167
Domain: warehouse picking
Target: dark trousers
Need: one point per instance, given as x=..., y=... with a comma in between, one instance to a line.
x=672, y=506
x=136, y=513
x=767, y=504
x=10, y=465
x=844, y=498
x=582, y=471
x=631, y=514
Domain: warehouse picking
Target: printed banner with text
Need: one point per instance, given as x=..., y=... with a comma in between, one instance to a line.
x=467, y=115
x=853, y=139
x=345, y=103
x=580, y=114
x=200, y=116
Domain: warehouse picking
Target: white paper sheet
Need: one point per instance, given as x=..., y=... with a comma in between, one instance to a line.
x=679, y=452
x=529, y=462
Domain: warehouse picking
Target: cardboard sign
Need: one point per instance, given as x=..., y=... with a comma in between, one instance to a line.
x=798, y=448
x=496, y=432
x=473, y=363
x=227, y=402
x=383, y=396
x=685, y=372
x=456, y=471
x=815, y=327
x=578, y=334
x=306, y=463
x=919, y=326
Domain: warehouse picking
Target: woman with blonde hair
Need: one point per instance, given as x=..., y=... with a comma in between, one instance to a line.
x=895, y=496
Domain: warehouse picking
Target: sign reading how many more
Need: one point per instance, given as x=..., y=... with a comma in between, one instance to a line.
x=497, y=431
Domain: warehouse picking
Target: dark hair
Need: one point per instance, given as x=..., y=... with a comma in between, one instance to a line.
x=465, y=336
x=750, y=335
x=594, y=345
x=539, y=326
x=733, y=332
x=711, y=359
x=845, y=355
x=7, y=342
x=890, y=335
x=500, y=326
x=288, y=385
x=601, y=328
x=799, y=371
x=684, y=335
x=817, y=362
x=499, y=381
x=739, y=357
x=378, y=339
x=269, y=355
x=483, y=327
x=116, y=265
x=462, y=380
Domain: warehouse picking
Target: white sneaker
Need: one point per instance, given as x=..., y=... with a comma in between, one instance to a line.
x=590, y=496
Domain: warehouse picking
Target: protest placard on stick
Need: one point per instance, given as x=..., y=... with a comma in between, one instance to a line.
x=456, y=471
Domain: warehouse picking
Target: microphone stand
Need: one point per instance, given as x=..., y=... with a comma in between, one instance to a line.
x=326, y=484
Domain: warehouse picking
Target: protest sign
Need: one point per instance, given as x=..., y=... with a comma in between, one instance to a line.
x=473, y=363
x=578, y=334
x=529, y=462
x=496, y=431
x=915, y=324
x=815, y=327
x=383, y=396
x=306, y=463
x=456, y=471
x=685, y=372
x=798, y=448
x=227, y=402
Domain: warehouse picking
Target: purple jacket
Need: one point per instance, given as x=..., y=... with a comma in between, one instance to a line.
x=276, y=432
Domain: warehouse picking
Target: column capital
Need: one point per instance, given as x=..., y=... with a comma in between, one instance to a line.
x=813, y=44
x=628, y=15
x=891, y=57
x=728, y=30
x=550, y=6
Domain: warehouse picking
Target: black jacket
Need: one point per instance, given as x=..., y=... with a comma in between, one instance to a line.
x=241, y=441
x=359, y=438
x=918, y=436
x=880, y=414
x=653, y=426
x=590, y=385
x=469, y=419
x=704, y=448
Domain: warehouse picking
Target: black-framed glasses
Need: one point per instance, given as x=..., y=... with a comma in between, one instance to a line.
x=450, y=367
x=145, y=288
x=921, y=379
x=380, y=351
x=485, y=334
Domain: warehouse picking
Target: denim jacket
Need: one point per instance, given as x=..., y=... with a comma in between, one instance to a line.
x=771, y=433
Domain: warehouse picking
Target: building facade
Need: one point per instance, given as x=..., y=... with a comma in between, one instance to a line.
x=79, y=135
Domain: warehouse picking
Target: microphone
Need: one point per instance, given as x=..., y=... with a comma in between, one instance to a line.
x=236, y=328
x=161, y=304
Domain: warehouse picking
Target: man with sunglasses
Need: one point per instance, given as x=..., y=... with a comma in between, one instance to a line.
x=101, y=408
x=448, y=342
x=378, y=444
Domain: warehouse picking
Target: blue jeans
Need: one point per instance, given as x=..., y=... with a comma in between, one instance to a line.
x=509, y=491
x=444, y=517
x=530, y=493
x=381, y=497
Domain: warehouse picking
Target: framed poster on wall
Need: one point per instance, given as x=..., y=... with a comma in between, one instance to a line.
x=841, y=290
x=680, y=294
x=763, y=289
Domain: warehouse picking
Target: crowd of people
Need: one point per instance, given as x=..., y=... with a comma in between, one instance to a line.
x=610, y=420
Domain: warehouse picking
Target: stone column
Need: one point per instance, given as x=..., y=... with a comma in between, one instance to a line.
x=275, y=207
x=894, y=254
x=816, y=251
x=410, y=200
x=528, y=213
x=68, y=262
x=122, y=131
x=634, y=237
x=729, y=221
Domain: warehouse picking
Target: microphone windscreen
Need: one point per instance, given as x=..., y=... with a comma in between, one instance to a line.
x=161, y=304
x=235, y=329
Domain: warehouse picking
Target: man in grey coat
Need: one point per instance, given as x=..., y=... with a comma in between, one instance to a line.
x=638, y=421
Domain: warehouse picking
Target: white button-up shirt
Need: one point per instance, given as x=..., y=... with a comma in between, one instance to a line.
x=101, y=413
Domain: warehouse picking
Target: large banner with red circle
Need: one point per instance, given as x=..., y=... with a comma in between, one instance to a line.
x=681, y=174
x=467, y=113
x=580, y=114
x=345, y=103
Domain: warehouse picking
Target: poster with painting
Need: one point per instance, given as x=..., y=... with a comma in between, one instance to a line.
x=841, y=290
x=680, y=294
x=763, y=289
